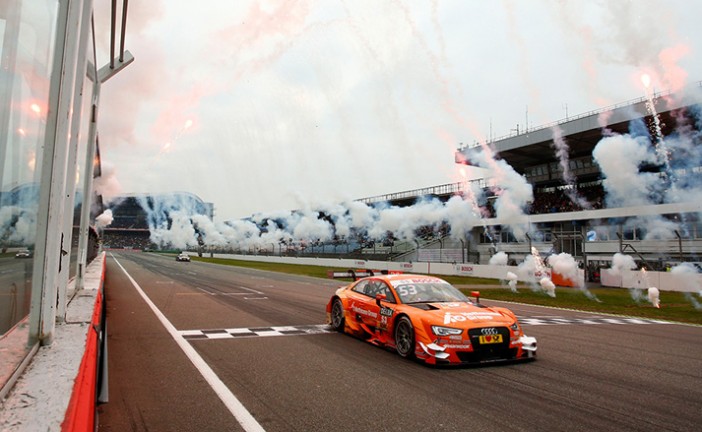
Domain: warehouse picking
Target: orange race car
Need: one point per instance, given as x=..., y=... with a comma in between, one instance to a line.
x=425, y=317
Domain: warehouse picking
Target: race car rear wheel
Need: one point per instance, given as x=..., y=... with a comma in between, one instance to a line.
x=404, y=337
x=337, y=315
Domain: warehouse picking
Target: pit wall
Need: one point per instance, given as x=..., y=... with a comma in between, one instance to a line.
x=664, y=281
x=59, y=390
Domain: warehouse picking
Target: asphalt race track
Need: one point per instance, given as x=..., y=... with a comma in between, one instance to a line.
x=259, y=337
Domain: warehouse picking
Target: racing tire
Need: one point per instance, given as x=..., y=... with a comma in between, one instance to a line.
x=337, y=315
x=404, y=337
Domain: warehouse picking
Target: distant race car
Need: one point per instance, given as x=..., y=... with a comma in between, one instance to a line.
x=23, y=253
x=426, y=318
x=183, y=257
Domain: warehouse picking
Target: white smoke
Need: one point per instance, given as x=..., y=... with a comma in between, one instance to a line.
x=621, y=262
x=514, y=192
x=180, y=234
x=533, y=270
x=562, y=153
x=500, y=259
x=565, y=265
x=107, y=184
x=462, y=215
x=687, y=276
x=18, y=225
x=548, y=286
x=104, y=219
x=654, y=296
x=619, y=158
x=313, y=225
x=512, y=281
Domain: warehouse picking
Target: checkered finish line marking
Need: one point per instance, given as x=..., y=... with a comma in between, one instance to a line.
x=249, y=332
x=580, y=321
x=302, y=330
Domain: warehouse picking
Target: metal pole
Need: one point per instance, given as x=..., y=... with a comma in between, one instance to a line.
x=113, y=20
x=125, y=3
x=87, y=191
x=680, y=249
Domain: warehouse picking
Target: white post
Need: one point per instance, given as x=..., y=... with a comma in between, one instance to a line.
x=50, y=214
x=72, y=165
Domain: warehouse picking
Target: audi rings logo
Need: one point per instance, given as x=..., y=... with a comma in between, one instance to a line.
x=488, y=331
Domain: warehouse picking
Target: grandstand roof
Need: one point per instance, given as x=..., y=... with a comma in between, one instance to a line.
x=583, y=132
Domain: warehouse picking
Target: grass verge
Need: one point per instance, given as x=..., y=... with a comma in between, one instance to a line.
x=675, y=306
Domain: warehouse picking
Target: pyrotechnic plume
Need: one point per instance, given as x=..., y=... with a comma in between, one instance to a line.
x=512, y=281
x=689, y=279
x=107, y=184
x=562, y=153
x=621, y=262
x=514, y=191
x=18, y=224
x=104, y=219
x=532, y=270
x=312, y=224
x=565, y=265
x=654, y=297
x=500, y=258
x=619, y=158
x=548, y=286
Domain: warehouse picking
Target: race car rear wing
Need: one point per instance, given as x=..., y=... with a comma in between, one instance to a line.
x=357, y=274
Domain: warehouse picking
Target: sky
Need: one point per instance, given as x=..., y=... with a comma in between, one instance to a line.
x=264, y=106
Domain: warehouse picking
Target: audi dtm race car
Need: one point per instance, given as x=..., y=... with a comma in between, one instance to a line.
x=426, y=318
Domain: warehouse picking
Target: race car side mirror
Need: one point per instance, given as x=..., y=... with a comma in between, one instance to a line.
x=476, y=296
x=379, y=297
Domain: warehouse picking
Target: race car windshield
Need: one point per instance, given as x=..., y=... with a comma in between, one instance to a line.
x=429, y=293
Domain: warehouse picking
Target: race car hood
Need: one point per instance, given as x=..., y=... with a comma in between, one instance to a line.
x=463, y=315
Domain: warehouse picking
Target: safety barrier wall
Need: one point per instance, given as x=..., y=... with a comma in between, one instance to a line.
x=80, y=415
x=628, y=279
x=62, y=378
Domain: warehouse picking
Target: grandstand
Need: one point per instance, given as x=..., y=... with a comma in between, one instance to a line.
x=595, y=232
x=134, y=216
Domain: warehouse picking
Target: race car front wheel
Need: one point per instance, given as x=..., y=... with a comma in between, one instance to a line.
x=337, y=315
x=404, y=337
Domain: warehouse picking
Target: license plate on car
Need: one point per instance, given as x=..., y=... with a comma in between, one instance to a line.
x=491, y=339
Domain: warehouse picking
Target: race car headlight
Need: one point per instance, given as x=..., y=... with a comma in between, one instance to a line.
x=515, y=328
x=445, y=331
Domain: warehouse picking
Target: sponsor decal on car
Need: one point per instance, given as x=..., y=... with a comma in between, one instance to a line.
x=451, y=305
x=417, y=280
x=452, y=317
x=386, y=311
x=360, y=311
x=383, y=324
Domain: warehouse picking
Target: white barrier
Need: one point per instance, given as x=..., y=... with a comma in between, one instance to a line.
x=664, y=281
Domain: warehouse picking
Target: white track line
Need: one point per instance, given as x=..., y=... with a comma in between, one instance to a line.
x=242, y=415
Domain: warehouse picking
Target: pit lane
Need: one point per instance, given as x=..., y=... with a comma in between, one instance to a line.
x=260, y=333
